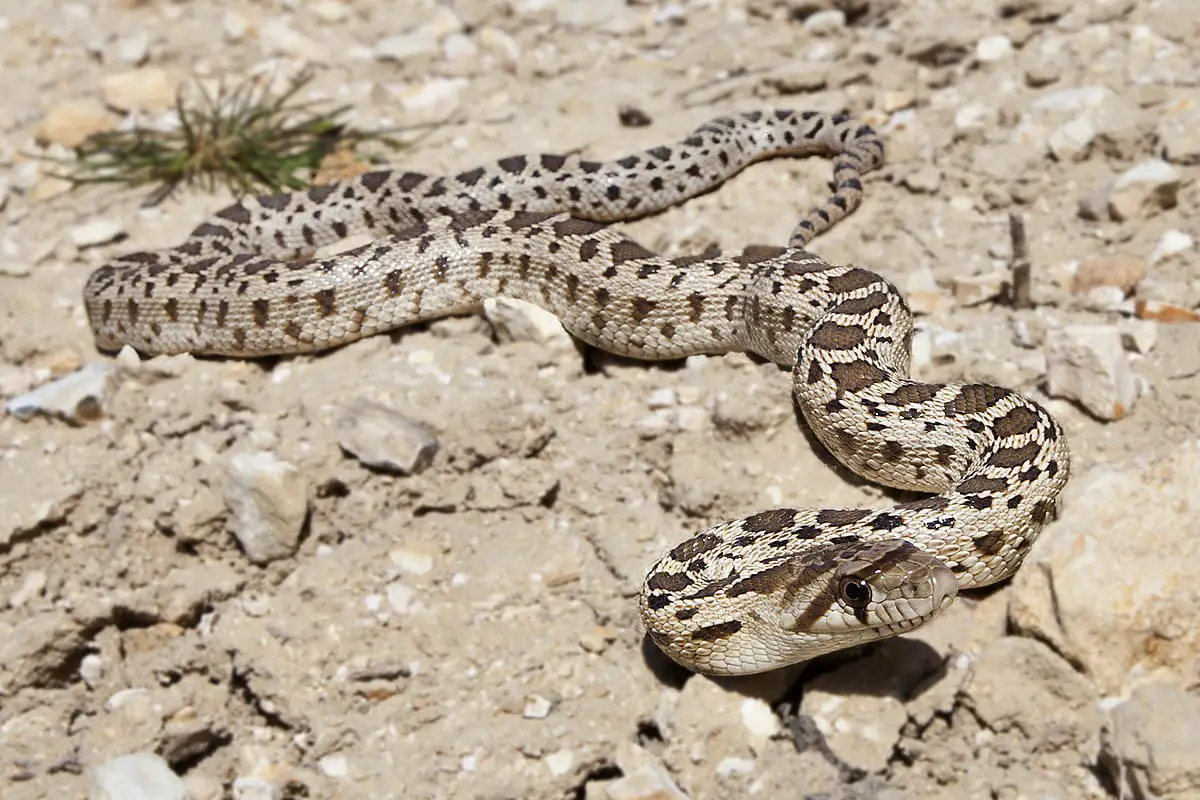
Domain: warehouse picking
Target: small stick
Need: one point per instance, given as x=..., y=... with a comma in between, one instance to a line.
x=1021, y=291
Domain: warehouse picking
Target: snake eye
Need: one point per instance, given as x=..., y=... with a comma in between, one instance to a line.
x=855, y=592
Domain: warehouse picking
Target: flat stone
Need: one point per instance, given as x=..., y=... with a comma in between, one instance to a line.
x=138, y=776
x=147, y=89
x=386, y=440
x=1076, y=99
x=1087, y=364
x=79, y=397
x=1046, y=681
x=95, y=232
x=519, y=321
x=1144, y=190
x=1150, y=743
x=71, y=122
x=1179, y=131
x=1072, y=140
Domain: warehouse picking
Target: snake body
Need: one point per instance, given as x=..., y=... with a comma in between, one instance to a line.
x=749, y=595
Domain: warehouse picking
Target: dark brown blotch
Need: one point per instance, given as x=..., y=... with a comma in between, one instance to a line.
x=1016, y=422
x=838, y=517
x=975, y=398
x=852, y=280
x=698, y=545
x=832, y=336
x=629, y=250
x=856, y=376
x=326, y=300
x=669, y=581
x=721, y=630
x=771, y=521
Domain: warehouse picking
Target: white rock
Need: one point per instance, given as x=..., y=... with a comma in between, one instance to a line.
x=1104, y=298
x=1076, y=99
x=1087, y=363
x=644, y=783
x=331, y=11
x=234, y=26
x=662, y=398
x=990, y=49
x=559, y=762
x=134, y=49
x=404, y=46
x=519, y=321
x=384, y=439
x=335, y=766
x=1143, y=190
x=823, y=22
x=256, y=789
x=1171, y=243
x=1139, y=335
x=861, y=730
x=458, y=47
x=412, y=561
x=729, y=767
x=972, y=116
x=691, y=418
x=402, y=599
x=5, y=189
x=91, y=669
x=589, y=13
x=268, y=499
x=1072, y=140
x=79, y=397
x=432, y=94
x=138, y=776
x=1150, y=744
x=536, y=707
x=95, y=232
x=758, y=718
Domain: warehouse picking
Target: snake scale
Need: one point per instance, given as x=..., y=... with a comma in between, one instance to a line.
x=771, y=589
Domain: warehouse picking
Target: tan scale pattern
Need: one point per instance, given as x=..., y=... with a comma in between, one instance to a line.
x=746, y=596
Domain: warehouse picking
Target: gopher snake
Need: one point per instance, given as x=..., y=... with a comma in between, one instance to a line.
x=746, y=596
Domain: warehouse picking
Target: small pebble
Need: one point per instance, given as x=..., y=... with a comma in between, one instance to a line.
x=824, y=22
x=993, y=48
x=536, y=707
x=559, y=762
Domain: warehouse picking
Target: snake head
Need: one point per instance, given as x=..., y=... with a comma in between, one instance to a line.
x=869, y=591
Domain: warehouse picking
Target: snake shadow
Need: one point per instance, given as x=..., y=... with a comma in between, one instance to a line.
x=900, y=667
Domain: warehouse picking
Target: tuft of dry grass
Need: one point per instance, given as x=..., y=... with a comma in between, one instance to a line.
x=242, y=136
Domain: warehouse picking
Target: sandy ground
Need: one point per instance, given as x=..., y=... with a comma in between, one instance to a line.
x=471, y=631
